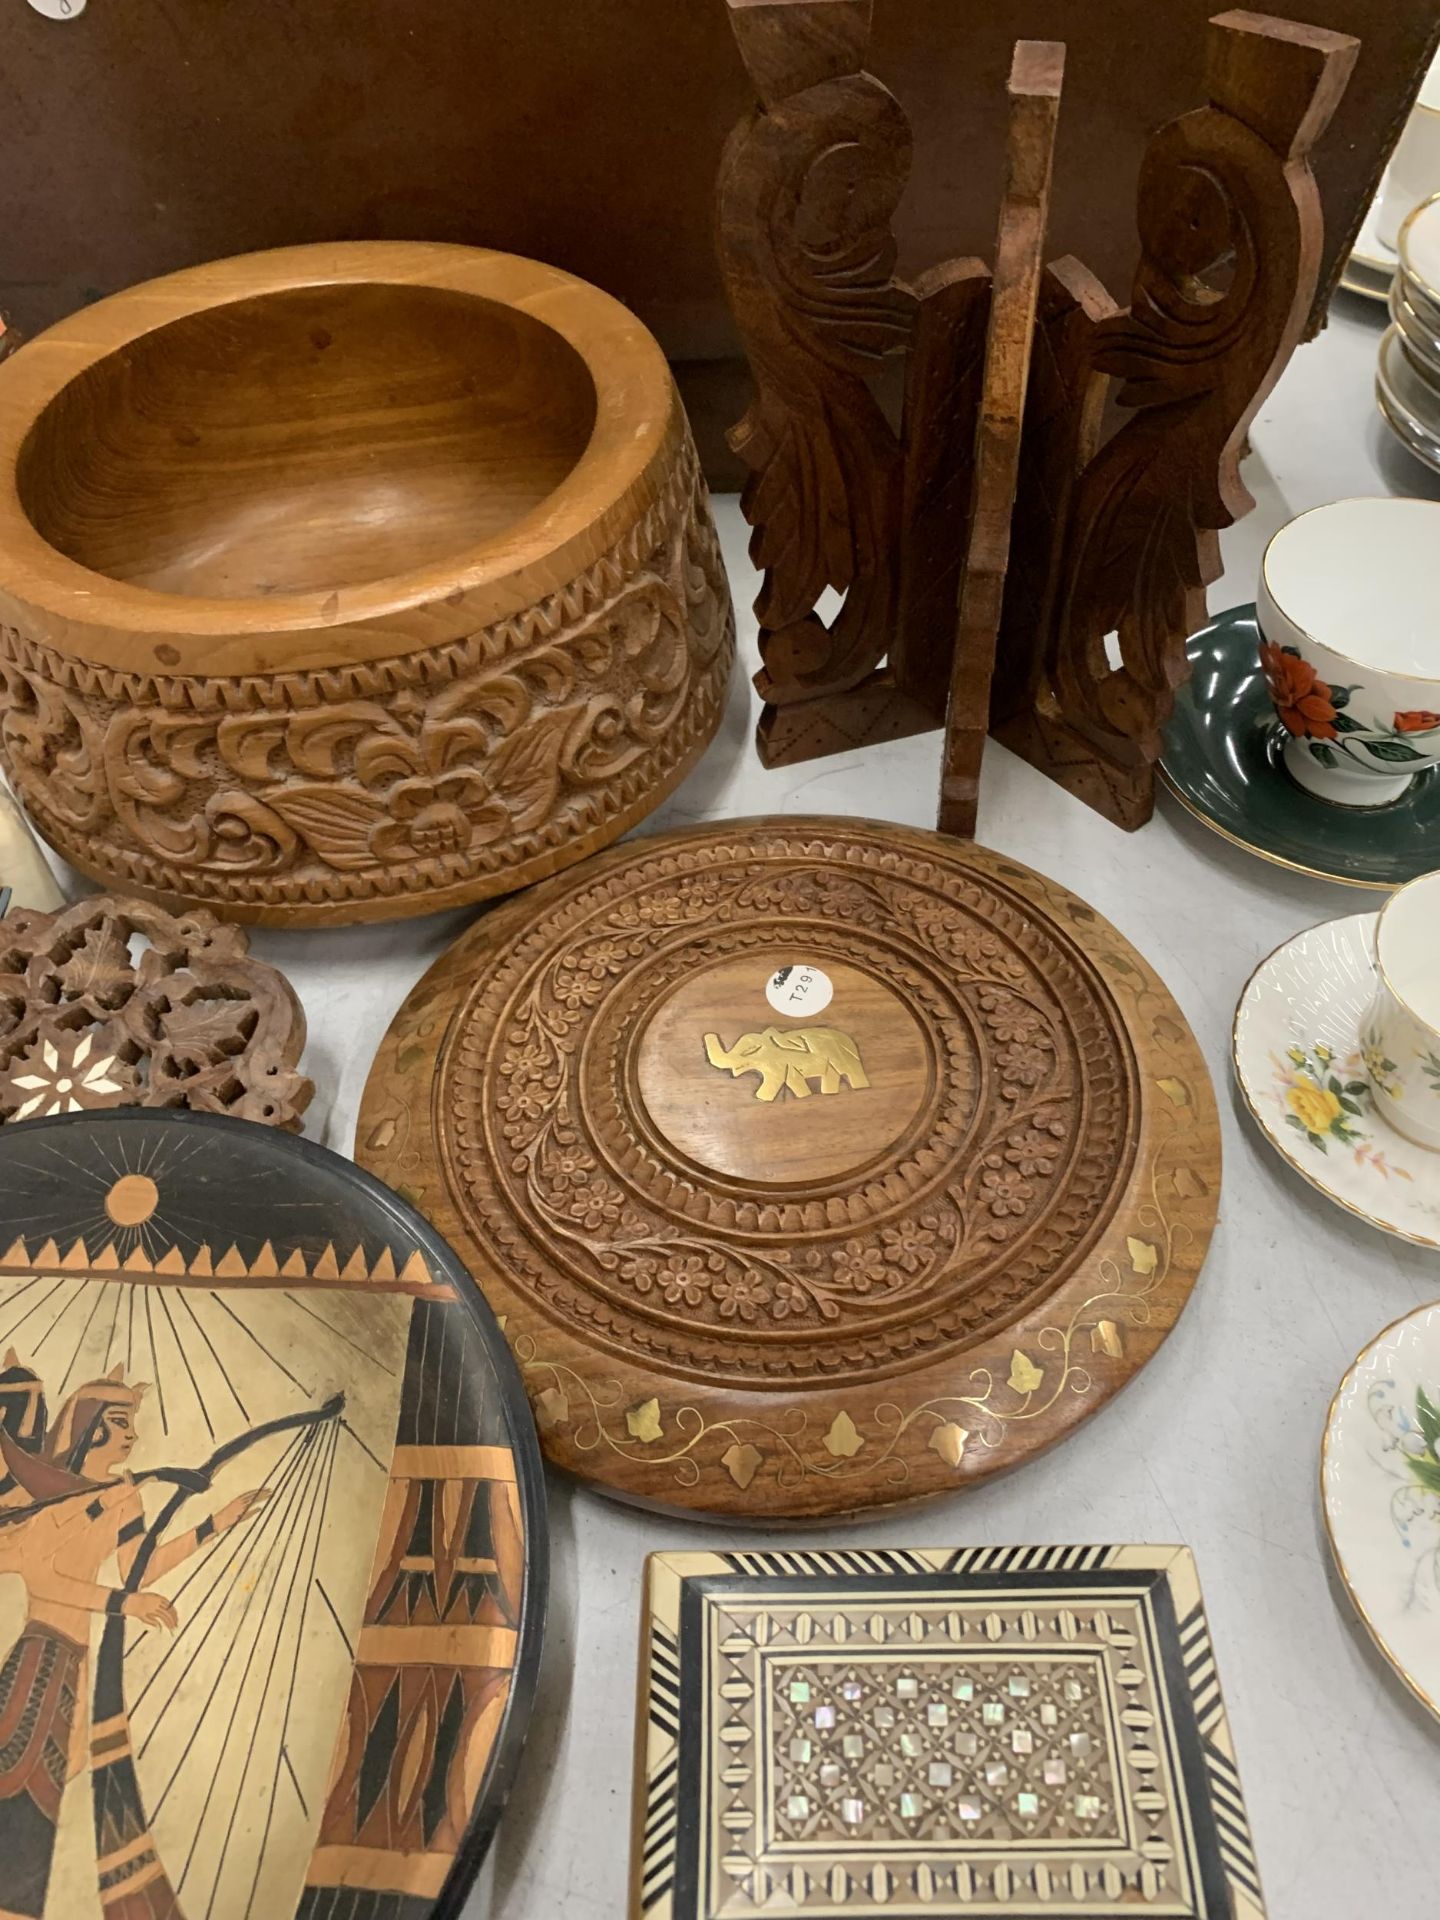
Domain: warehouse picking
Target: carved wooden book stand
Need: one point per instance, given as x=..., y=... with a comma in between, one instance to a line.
x=1111, y=544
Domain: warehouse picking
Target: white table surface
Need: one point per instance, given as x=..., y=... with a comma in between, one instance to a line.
x=1216, y=1442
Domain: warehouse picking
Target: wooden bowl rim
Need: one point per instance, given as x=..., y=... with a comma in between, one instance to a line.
x=89, y=614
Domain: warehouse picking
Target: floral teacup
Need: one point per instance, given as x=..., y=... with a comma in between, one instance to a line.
x=1349, y=614
x=1400, y=1035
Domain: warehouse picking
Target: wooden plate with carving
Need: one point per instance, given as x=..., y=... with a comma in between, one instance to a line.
x=815, y=1165
x=272, y=1533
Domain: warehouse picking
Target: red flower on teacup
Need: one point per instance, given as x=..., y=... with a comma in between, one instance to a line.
x=1417, y=720
x=1302, y=699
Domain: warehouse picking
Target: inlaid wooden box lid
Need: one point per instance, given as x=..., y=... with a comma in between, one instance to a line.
x=812, y=1164
x=273, y=1515
x=1028, y=1731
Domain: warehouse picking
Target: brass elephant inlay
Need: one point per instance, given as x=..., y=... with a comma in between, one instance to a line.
x=790, y=1058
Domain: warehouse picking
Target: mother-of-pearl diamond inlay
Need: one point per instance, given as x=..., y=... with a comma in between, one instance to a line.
x=932, y=1751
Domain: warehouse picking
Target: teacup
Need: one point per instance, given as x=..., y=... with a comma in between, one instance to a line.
x=1400, y=1035
x=1349, y=615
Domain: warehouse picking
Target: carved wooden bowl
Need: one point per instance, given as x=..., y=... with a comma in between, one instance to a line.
x=346, y=582
x=815, y=1165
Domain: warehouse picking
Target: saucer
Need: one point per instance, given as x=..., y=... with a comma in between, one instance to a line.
x=1223, y=762
x=1297, y=1059
x=1371, y=265
x=1380, y=1495
x=1409, y=405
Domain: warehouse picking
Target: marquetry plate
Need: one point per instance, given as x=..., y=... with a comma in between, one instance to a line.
x=272, y=1533
x=1026, y=1731
x=814, y=1164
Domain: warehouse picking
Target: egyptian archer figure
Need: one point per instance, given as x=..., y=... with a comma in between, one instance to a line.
x=77, y=1508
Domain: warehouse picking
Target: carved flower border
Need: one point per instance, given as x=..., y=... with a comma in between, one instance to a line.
x=886, y=1436
x=571, y=976
x=1083, y=1352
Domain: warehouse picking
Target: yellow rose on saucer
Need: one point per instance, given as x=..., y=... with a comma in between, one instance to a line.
x=1314, y=1107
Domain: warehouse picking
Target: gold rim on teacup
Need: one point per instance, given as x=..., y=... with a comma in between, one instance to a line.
x=1420, y=880
x=1401, y=1044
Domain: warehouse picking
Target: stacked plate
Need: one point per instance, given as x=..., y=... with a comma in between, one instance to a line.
x=1407, y=379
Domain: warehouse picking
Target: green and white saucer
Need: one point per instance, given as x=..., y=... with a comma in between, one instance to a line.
x=1223, y=762
x=1296, y=1045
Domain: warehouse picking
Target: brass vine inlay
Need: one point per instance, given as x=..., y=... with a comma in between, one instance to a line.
x=954, y=1427
x=1007, y=1256
x=787, y=1059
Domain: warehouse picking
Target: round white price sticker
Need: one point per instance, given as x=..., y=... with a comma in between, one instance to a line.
x=59, y=9
x=799, y=990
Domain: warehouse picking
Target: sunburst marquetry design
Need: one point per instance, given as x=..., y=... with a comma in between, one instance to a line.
x=252, y=1416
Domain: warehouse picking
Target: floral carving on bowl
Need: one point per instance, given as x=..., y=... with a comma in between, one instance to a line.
x=440, y=774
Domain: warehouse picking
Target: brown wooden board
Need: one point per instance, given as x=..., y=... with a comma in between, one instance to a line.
x=115, y=1003
x=351, y=581
x=839, y=500
x=1064, y=405
x=1031, y=1730
x=944, y=381
x=912, y=621
x=139, y=139
x=1036, y=76
x=765, y=1254
x=272, y=1519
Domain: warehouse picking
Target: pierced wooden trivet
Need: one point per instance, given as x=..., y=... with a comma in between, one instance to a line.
x=114, y=1003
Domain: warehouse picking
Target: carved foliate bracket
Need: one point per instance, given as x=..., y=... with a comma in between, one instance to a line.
x=1120, y=539
x=808, y=187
